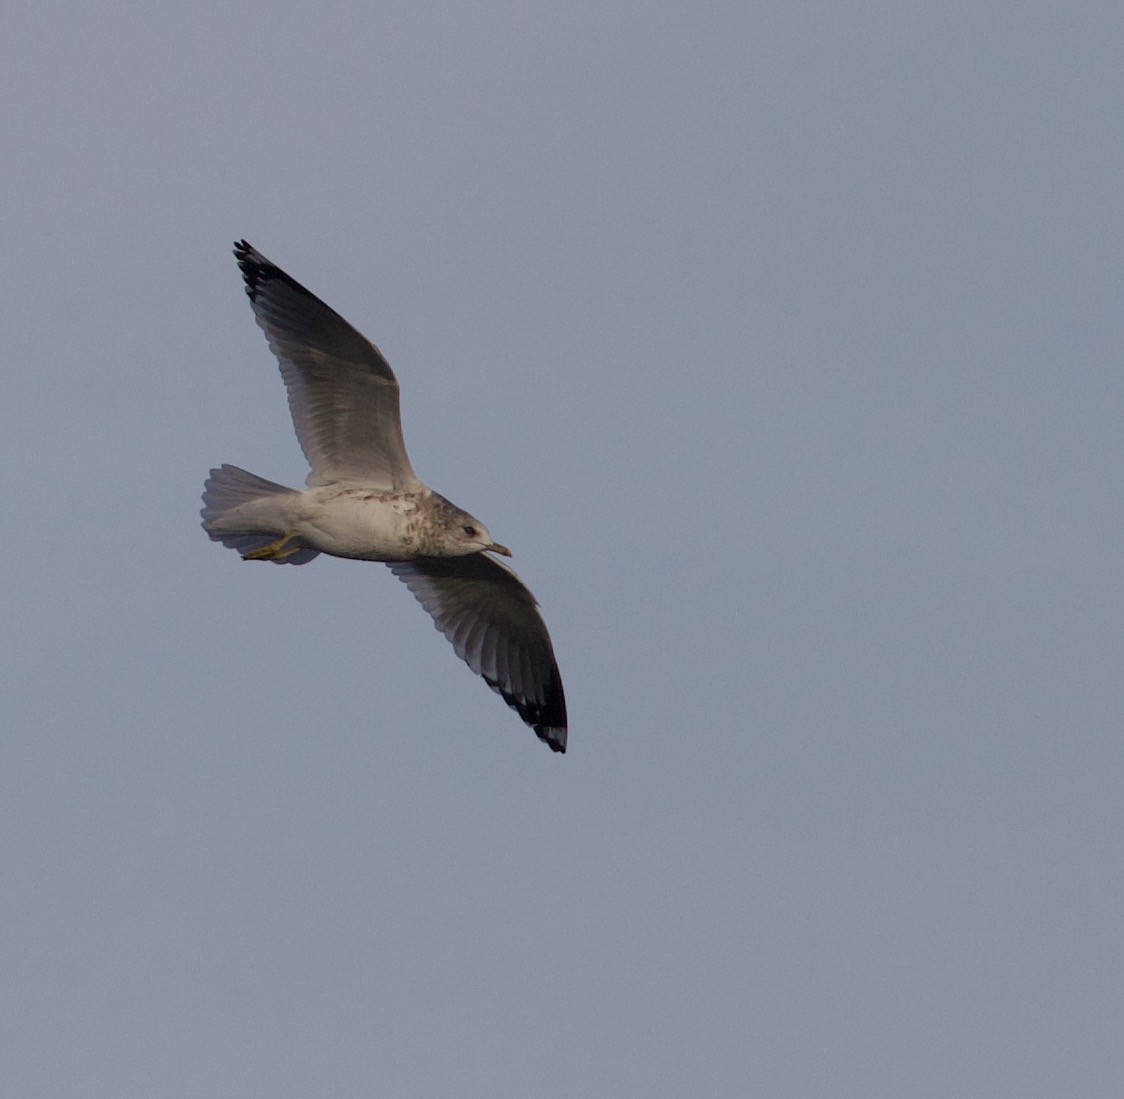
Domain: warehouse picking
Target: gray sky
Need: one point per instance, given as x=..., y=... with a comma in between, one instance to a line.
x=781, y=342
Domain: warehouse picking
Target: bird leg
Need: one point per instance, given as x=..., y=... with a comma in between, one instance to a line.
x=275, y=551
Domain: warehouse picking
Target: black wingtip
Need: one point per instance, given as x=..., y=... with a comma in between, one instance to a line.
x=257, y=271
x=254, y=266
x=548, y=719
x=554, y=739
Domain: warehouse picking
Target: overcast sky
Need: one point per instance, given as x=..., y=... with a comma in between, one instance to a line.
x=782, y=343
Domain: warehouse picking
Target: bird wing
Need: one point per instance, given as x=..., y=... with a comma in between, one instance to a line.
x=343, y=396
x=493, y=622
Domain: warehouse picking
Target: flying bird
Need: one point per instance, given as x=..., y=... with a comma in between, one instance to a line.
x=363, y=501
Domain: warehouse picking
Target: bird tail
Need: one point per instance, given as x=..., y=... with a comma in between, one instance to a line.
x=229, y=487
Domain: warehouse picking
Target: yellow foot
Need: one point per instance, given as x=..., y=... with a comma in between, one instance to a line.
x=275, y=551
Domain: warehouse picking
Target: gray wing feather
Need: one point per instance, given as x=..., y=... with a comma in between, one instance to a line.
x=494, y=625
x=343, y=396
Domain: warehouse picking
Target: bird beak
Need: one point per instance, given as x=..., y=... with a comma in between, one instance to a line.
x=495, y=547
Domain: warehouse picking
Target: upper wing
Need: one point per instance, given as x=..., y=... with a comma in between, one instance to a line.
x=343, y=396
x=491, y=619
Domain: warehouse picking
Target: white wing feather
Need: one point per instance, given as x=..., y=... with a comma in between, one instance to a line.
x=492, y=621
x=343, y=396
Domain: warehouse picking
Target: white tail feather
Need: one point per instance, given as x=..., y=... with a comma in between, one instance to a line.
x=229, y=487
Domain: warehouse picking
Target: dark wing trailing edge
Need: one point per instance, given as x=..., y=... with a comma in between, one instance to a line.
x=342, y=393
x=494, y=625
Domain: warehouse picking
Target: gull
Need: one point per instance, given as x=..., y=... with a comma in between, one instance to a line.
x=363, y=501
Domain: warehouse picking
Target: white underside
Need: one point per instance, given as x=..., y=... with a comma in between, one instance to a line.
x=345, y=521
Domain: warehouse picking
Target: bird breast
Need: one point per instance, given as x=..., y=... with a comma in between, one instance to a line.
x=365, y=523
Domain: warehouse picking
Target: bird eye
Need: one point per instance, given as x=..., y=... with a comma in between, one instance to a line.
x=469, y=530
